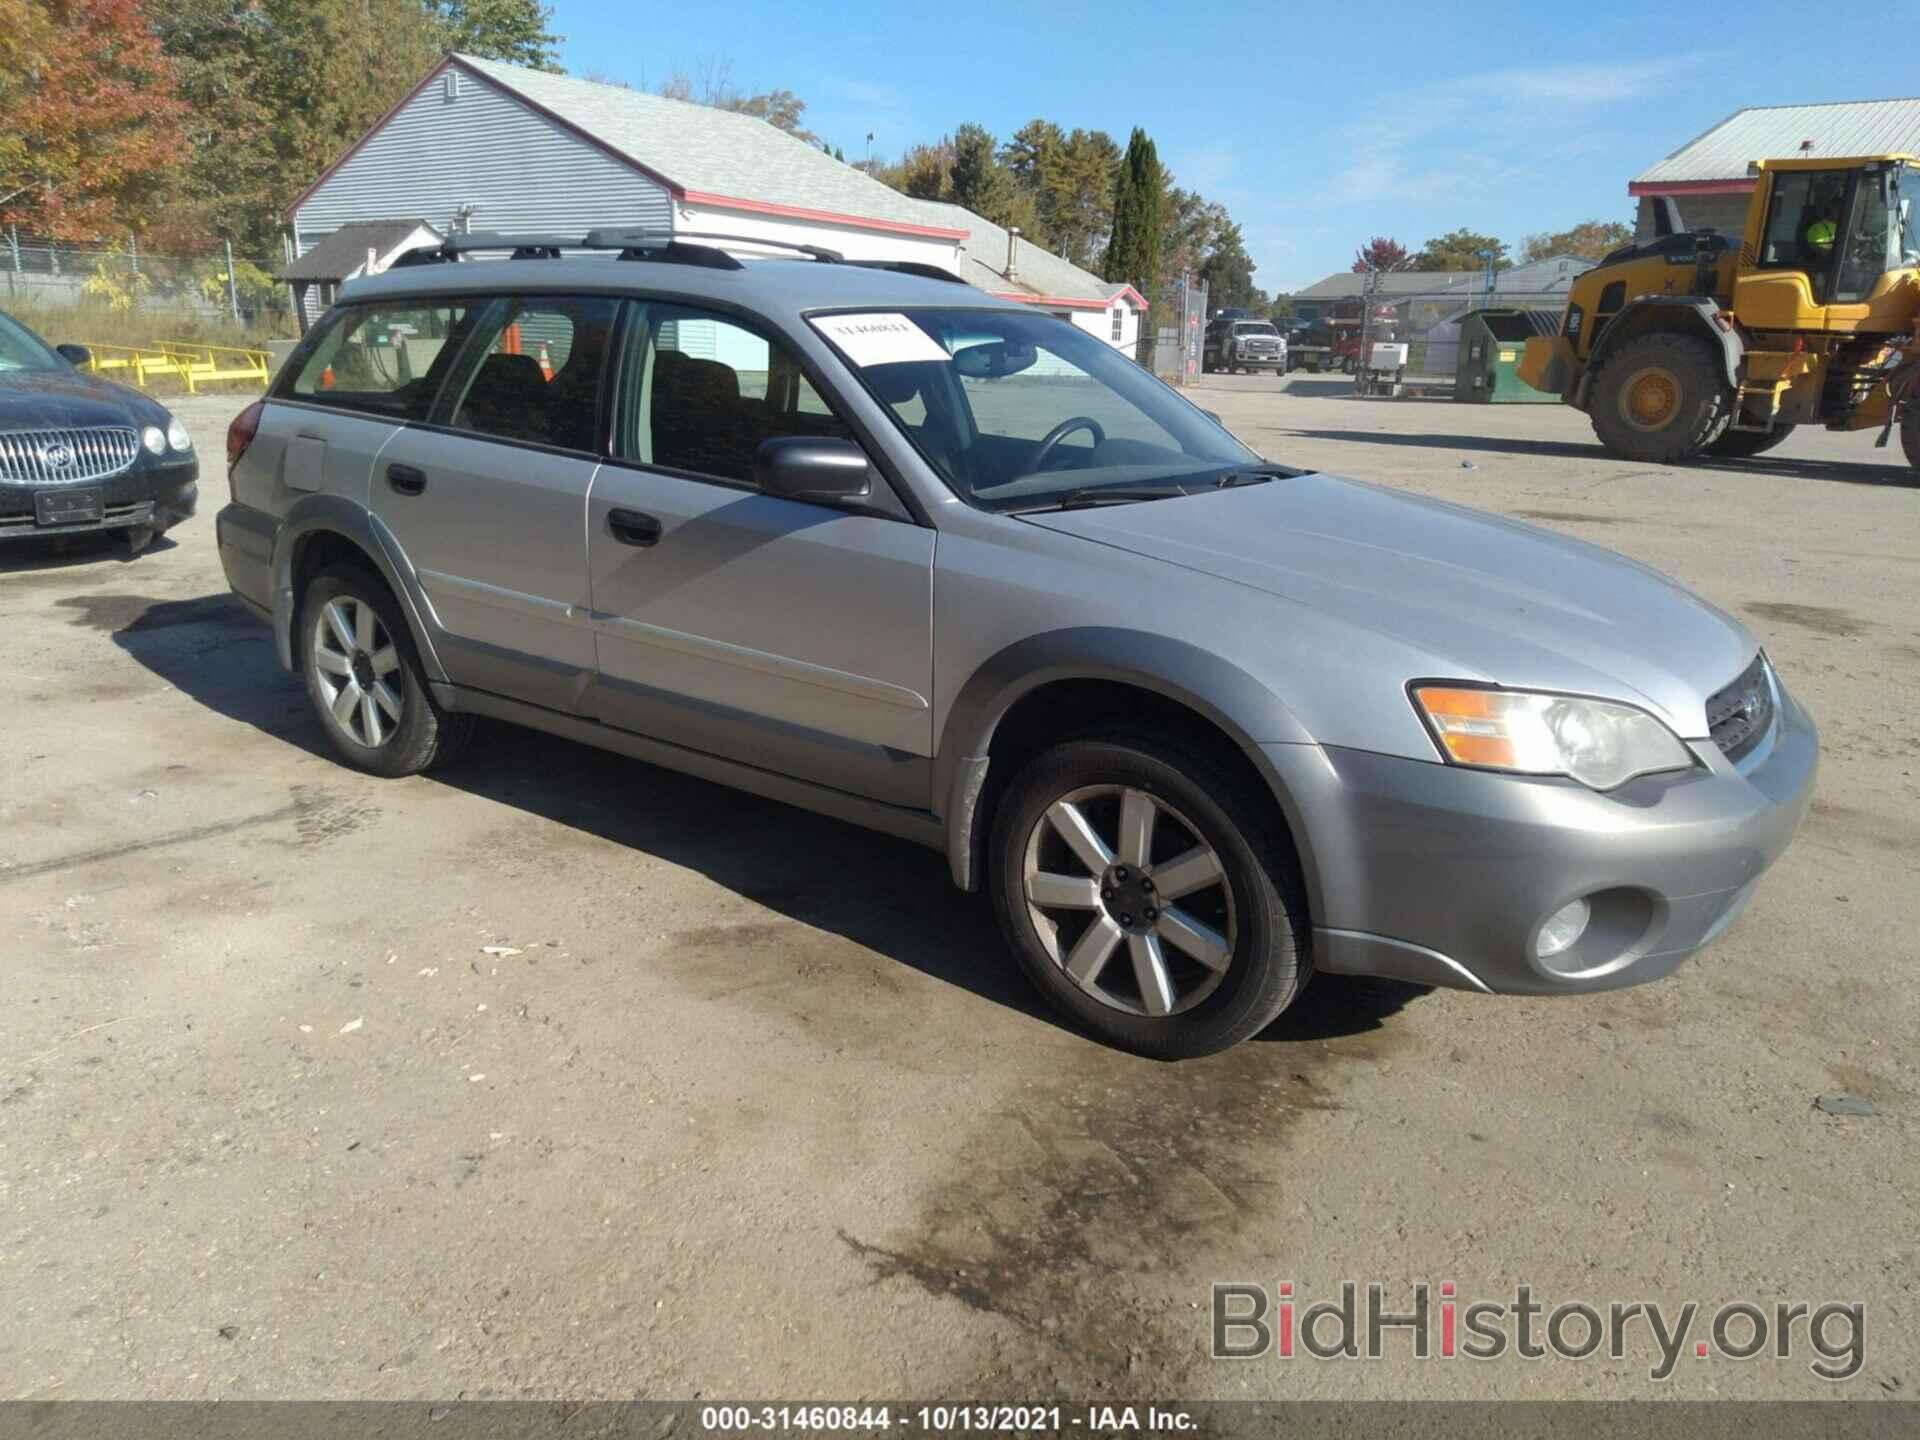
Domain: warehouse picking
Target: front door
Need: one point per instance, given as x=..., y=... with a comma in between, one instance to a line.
x=789, y=636
x=488, y=501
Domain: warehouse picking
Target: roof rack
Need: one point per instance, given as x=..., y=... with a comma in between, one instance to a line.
x=910, y=267
x=639, y=244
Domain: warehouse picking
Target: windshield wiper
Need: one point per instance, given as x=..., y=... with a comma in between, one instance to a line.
x=1252, y=475
x=1090, y=495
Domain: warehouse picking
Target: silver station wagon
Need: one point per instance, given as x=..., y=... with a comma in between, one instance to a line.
x=877, y=544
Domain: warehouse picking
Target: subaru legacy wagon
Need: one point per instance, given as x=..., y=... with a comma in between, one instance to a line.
x=878, y=544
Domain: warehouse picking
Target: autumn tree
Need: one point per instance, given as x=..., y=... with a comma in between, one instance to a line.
x=1071, y=179
x=93, y=124
x=1590, y=239
x=1462, y=250
x=1382, y=252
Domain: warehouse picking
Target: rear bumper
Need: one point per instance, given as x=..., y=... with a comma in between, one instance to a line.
x=147, y=496
x=1442, y=875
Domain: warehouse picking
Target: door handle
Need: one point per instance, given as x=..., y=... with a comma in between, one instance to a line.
x=406, y=479
x=630, y=527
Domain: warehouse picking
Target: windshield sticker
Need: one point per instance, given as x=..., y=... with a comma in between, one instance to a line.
x=879, y=339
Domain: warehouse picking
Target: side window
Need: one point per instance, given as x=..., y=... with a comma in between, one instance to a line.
x=1803, y=219
x=533, y=371
x=709, y=391
x=383, y=359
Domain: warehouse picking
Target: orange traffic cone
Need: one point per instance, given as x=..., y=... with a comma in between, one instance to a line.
x=326, y=378
x=546, y=363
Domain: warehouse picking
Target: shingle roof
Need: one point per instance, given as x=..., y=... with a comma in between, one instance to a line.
x=701, y=151
x=1036, y=272
x=345, y=251
x=1774, y=132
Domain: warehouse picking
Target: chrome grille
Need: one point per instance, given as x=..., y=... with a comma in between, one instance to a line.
x=1739, y=715
x=59, y=457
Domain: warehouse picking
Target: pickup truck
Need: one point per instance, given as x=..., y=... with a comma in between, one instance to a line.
x=1244, y=345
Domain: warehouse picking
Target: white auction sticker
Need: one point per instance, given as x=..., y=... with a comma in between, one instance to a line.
x=879, y=339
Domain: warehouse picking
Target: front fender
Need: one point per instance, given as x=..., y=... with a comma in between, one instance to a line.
x=316, y=514
x=1235, y=702
x=1688, y=314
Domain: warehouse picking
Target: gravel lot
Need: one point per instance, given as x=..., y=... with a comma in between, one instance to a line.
x=754, y=1104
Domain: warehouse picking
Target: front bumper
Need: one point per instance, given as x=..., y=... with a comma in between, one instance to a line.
x=151, y=495
x=1443, y=875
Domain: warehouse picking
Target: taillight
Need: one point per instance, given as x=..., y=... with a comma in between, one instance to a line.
x=241, y=432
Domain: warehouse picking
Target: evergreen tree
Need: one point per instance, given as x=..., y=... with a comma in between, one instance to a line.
x=1133, y=247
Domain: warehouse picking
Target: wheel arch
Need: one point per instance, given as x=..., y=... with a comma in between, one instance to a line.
x=1049, y=687
x=1671, y=314
x=324, y=529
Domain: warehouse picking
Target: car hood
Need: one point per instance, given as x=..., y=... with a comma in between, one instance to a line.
x=53, y=399
x=1485, y=598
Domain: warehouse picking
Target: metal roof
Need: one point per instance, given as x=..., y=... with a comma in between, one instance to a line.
x=1773, y=132
x=785, y=289
x=344, y=252
x=704, y=153
x=1534, y=277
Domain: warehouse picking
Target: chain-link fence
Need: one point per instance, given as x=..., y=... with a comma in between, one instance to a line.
x=215, y=287
x=1174, y=330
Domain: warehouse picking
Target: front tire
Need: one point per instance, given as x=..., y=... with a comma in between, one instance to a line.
x=1146, y=898
x=365, y=680
x=1910, y=433
x=1661, y=398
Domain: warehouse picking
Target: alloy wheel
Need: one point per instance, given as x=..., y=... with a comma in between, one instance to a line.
x=1111, y=868
x=357, y=668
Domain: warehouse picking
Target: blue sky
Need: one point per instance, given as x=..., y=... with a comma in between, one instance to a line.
x=1402, y=120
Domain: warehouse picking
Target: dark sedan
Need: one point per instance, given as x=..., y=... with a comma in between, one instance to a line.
x=78, y=453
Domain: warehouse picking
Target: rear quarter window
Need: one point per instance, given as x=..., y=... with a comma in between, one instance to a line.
x=382, y=359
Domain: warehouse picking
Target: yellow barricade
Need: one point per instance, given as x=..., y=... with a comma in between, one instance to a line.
x=200, y=364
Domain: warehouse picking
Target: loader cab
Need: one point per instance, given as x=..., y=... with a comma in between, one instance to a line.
x=1831, y=245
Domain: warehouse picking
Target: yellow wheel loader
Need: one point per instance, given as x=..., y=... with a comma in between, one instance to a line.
x=1686, y=346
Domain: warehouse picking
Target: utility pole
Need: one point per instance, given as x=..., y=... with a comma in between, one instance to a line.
x=233, y=285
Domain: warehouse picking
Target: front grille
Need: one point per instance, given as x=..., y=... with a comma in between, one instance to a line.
x=1740, y=715
x=59, y=457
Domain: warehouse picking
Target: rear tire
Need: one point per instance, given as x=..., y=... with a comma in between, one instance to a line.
x=1661, y=398
x=1200, y=963
x=365, y=680
x=1743, y=444
x=1910, y=433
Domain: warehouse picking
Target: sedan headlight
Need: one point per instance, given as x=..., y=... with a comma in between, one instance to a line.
x=1596, y=742
x=155, y=439
x=177, y=436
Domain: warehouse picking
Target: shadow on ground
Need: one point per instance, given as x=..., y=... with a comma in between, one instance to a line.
x=1849, y=472
x=888, y=895
x=34, y=553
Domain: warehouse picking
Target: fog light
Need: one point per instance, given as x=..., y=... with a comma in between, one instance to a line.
x=1563, y=928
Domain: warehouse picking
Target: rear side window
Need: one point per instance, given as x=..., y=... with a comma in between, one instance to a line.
x=709, y=391
x=533, y=371
x=386, y=360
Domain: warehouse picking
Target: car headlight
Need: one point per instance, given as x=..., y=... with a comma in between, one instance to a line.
x=177, y=436
x=1596, y=742
x=155, y=439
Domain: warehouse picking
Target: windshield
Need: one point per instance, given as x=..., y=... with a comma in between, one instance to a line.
x=1261, y=329
x=21, y=349
x=1016, y=410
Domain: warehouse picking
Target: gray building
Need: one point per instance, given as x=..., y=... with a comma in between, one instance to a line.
x=1707, y=177
x=479, y=145
x=1533, y=285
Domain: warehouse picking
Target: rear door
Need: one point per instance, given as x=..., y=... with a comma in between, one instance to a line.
x=488, y=499
x=790, y=636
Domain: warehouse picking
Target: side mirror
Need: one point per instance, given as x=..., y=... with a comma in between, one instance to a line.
x=796, y=467
x=75, y=355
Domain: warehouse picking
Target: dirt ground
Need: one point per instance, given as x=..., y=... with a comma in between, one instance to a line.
x=754, y=1104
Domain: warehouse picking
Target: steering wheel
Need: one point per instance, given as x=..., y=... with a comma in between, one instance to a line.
x=1050, y=442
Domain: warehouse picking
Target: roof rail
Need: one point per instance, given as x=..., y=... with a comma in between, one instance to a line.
x=637, y=244
x=910, y=267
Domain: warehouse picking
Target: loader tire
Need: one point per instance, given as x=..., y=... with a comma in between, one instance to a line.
x=1743, y=444
x=1910, y=433
x=1661, y=398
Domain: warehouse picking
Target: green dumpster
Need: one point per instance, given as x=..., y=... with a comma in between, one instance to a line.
x=1491, y=344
